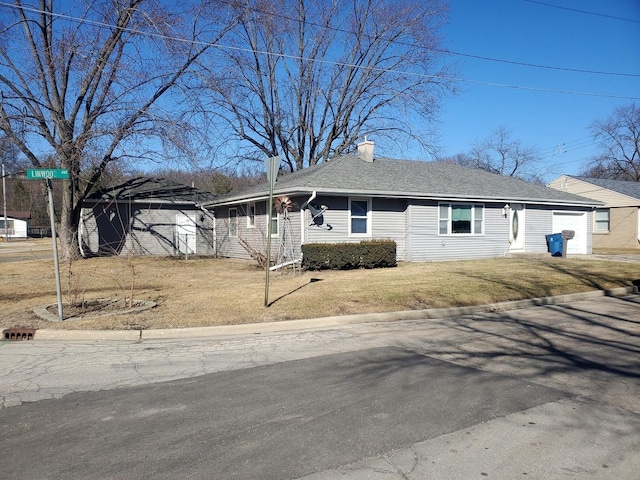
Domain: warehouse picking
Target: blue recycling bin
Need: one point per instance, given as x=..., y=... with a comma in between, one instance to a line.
x=554, y=244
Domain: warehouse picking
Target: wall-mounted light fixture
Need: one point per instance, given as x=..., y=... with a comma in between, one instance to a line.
x=505, y=210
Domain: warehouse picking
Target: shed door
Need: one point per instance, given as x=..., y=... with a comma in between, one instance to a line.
x=186, y=233
x=576, y=221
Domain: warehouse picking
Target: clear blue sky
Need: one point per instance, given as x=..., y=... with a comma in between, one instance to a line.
x=538, y=33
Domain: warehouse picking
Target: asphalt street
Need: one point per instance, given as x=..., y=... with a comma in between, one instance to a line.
x=17, y=250
x=548, y=392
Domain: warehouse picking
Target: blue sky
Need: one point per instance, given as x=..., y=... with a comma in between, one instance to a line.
x=537, y=33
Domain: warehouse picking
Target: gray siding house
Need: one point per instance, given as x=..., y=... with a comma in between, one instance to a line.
x=147, y=216
x=616, y=223
x=432, y=210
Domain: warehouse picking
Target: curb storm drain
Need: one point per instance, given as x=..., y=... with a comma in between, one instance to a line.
x=17, y=334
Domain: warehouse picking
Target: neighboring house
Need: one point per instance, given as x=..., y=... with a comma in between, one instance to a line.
x=17, y=224
x=147, y=216
x=616, y=223
x=432, y=210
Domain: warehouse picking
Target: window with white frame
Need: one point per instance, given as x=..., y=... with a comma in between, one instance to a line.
x=460, y=219
x=251, y=215
x=601, y=220
x=274, y=222
x=233, y=222
x=360, y=216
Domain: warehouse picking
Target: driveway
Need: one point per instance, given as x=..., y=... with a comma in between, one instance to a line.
x=538, y=393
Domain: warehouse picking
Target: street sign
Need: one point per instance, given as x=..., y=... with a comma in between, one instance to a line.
x=272, y=165
x=47, y=173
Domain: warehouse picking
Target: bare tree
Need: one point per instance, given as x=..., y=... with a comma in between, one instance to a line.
x=619, y=139
x=306, y=79
x=91, y=83
x=500, y=153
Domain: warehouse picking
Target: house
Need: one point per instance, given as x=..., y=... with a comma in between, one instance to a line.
x=147, y=216
x=17, y=224
x=616, y=223
x=432, y=210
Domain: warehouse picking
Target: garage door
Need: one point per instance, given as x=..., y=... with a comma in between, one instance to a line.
x=572, y=221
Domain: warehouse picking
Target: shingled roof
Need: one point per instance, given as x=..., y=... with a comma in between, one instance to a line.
x=152, y=190
x=630, y=189
x=384, y=177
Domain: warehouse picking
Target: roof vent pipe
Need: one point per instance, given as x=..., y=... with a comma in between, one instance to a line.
x=365, y=150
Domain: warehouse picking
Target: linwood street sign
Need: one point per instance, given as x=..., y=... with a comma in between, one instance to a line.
x=47, y=173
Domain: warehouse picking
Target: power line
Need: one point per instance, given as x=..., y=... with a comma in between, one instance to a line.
x=327, y=62
x=584, y=11
x=534, y=65
x=564, y=147
x=452, y=52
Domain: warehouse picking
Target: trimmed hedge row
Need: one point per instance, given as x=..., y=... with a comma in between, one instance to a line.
x=348, y=256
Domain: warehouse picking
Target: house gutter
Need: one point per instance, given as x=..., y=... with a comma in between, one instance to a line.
x=409, y=195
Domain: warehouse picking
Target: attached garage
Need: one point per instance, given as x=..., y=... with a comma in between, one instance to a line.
x=576, y=221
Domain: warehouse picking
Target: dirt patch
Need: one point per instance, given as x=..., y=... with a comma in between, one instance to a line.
x=92, y=308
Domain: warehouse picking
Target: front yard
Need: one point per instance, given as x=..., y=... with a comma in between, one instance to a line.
x=205, y=291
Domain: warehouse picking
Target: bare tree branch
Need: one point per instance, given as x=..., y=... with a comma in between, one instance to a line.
x=619, y=139
x=91, y=82
x=501, y=154
x=307, y=79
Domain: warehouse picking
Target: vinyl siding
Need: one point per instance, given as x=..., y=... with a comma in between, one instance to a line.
x=139, y=229
x=412, y=224
x=538, y=225
x=387, y=222
x=255, y=236
x=336, y=216
x=428, y=245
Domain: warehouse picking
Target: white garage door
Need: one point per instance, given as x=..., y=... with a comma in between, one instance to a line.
x=576, y=222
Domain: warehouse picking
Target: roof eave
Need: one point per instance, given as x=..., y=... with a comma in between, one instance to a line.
x=405, y=195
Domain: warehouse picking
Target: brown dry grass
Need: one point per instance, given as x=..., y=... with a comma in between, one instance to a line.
x=206, y=291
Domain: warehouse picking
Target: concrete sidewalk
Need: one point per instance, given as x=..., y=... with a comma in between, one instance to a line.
x=586, y=349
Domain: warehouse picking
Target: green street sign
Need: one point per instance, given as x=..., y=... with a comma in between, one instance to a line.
x=47, y=173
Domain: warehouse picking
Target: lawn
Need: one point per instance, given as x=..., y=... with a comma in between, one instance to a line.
x=207, y=291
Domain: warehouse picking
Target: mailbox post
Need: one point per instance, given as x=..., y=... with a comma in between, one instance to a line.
x=566, y=236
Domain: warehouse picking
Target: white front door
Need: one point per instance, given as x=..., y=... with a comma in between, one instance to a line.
x=516, y=228
x=186, y=233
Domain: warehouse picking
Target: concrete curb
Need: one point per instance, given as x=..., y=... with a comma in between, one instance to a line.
x=316, y=323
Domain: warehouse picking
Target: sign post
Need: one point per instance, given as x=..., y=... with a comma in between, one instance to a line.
x=47, y=175
x=272, y=165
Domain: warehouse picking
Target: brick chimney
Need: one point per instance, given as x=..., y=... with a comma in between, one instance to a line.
x=365, y=150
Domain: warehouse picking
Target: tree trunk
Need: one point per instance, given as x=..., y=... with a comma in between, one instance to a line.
x=69, y=221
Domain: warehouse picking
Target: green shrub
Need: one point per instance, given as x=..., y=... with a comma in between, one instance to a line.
x=347, y=256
